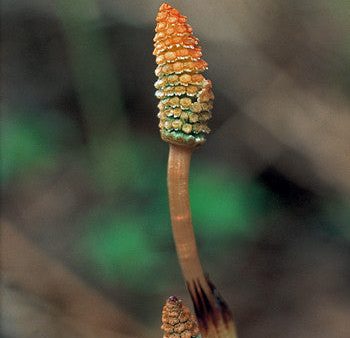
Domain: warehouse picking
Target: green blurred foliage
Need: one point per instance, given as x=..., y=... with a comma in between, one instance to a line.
x=119, y=248
x=222, y=203
x=32, y=139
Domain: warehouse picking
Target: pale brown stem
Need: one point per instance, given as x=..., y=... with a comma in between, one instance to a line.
x=179, y=203
x=214, y=318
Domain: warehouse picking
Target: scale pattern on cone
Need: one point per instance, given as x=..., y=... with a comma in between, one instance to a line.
x=177, y=320
x=186, y=97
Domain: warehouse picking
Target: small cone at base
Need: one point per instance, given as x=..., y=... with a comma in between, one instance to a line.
x=177, y=320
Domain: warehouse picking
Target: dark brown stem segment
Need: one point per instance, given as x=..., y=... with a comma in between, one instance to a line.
x=214, y=317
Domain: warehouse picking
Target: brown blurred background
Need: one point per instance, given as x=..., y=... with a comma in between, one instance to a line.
x=86, y=246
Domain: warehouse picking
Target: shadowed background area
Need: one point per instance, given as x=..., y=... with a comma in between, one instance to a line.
x=86, y=244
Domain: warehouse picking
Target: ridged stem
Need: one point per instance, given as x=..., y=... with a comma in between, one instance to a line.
x=179, y=203
x=213, y=316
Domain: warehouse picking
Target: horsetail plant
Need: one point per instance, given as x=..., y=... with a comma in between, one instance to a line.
x=186, y=100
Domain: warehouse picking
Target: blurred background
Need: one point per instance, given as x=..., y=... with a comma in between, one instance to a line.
x=86, y=245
